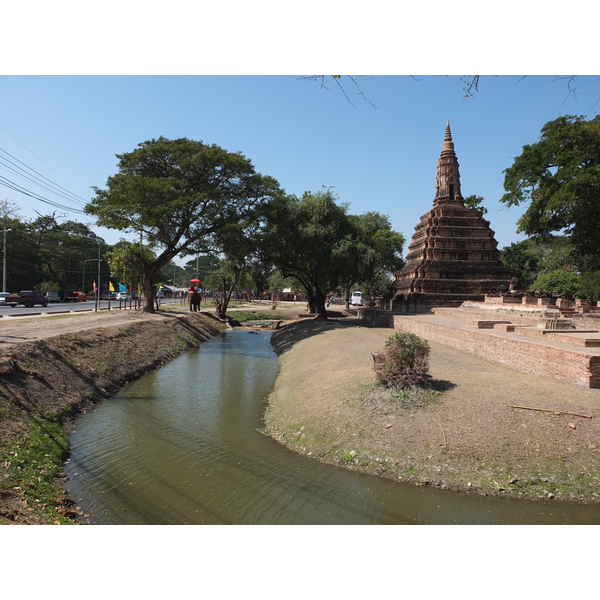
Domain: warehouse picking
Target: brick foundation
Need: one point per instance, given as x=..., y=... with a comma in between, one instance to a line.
x=528, y=356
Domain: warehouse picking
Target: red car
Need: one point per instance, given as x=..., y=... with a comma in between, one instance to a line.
x=81, y=297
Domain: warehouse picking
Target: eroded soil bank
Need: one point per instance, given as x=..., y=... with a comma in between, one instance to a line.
x=45, y=384
x=466, y=436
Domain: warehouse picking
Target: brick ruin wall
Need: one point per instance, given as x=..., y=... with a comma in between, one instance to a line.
x=566, y=365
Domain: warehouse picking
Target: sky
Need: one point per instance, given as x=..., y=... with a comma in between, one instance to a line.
x=376, y=144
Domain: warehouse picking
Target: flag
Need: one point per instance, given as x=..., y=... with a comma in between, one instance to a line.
x=122, y=288
x=110, y=286
x=95, y=287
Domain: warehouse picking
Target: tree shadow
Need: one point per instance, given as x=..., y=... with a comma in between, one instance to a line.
x=292, y=333
x=440, y=385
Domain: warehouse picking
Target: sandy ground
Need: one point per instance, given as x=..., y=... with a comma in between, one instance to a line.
x=466, y=437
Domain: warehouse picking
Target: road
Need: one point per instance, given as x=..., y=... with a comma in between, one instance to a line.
x=61, y=307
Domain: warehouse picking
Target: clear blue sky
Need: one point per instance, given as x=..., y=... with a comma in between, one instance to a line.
x=69, y=129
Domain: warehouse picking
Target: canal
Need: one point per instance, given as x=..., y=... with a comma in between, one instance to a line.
x=183, y=445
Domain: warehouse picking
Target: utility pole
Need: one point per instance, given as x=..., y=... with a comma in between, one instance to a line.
x=4, y=262
x=98, y=281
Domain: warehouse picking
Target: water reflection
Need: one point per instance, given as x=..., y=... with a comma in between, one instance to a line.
x=182, y=446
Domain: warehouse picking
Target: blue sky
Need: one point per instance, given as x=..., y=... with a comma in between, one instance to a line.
x=69, y=129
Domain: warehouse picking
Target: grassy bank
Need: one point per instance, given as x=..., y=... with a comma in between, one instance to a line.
x=463, y=434
x=45, y=385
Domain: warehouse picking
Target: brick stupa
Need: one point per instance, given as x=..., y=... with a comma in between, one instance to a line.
x=453, y=256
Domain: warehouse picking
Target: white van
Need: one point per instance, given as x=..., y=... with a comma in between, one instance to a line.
x=356, y=299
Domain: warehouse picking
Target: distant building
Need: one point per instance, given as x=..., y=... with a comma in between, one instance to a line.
x=453, y=255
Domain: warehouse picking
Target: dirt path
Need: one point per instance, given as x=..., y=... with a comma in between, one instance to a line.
x=18, y=330
x=468, y=438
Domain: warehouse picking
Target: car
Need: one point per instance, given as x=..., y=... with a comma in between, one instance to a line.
x=80, y=296
x=52, y=297
x=68, y=296
x=3, y=295
x=123, y=296
x=27, y=298
x=135, y=296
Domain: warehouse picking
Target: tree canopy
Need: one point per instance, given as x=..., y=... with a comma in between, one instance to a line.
x=560, y=178
x=177, y=195
x=314, y=240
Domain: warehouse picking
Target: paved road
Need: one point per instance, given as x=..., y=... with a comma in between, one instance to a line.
x=67, y=307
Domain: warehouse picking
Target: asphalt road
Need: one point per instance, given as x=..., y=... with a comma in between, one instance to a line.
x=57, y=307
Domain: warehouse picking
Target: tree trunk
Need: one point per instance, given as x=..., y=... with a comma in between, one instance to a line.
x=316, y=303
x=149, y=292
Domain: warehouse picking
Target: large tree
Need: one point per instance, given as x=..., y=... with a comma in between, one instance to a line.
x=303, y=239
x=374, y=253
x=560, y=178
x=177, y=194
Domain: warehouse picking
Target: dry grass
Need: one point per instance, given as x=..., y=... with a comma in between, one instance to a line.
x=461, y=434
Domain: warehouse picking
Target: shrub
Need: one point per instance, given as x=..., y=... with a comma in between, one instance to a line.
x=404, y=361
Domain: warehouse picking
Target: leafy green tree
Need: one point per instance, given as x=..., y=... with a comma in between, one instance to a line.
x=179, y=194
x=125, y=265
x=374, y=253
x=303, y=238
x=561, y=281
x=589, y=286
x=22, y=257
x=63, y=250
x=559, y=176
x=522, y=258
x=476, y=202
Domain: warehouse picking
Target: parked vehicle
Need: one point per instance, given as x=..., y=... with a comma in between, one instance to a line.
x=109, y=296
x=356, y=299
x=52, y=297
x=80, y=296
x=3, y=296
x=28, y=298
x=68, y=296
x=123, y=296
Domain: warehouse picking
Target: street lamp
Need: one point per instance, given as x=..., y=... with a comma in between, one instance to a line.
x=4, y=261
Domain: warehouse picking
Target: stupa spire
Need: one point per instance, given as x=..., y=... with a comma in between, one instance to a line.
x=448, y=177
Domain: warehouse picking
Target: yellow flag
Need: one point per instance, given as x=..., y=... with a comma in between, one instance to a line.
x=110, y=286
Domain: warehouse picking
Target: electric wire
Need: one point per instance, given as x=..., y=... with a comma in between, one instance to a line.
x=54, y=187
x=27, y=173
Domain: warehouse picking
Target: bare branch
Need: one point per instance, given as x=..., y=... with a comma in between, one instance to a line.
x=337, y=78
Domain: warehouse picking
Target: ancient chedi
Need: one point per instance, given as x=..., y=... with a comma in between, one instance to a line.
x=453, y=256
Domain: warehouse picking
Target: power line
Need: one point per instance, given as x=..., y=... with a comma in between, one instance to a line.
x=38, y=157
x=17, y=188
x=27, y=173
x=55, y=188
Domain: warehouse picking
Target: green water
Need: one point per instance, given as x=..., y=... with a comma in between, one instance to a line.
x=182, y=446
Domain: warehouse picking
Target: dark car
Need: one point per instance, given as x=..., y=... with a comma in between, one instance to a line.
x=27, y=298
x=68, y=296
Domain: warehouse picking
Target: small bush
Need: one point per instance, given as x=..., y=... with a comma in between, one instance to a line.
x=404, y=361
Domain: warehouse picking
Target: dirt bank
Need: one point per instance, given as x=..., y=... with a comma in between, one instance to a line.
x=465, y=435
x=46, y=381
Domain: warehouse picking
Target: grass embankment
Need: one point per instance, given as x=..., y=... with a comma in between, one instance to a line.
x=461, y=434
x=45, y=385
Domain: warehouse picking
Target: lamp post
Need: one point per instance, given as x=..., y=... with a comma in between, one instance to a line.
x=5, y=231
